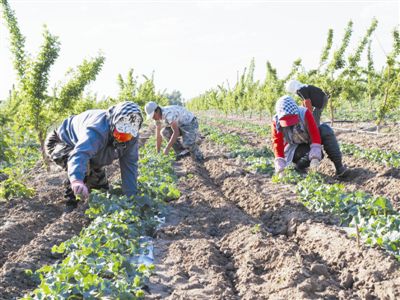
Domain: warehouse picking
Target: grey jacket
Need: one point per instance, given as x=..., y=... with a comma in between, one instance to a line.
x=89, y=133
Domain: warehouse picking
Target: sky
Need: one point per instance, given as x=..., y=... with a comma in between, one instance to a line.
x=191, y=46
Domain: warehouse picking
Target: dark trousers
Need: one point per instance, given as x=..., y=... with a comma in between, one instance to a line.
x=58, y=152
x=331, y=147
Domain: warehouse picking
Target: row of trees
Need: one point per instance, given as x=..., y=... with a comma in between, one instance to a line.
x=345, y=80
x=33, y=107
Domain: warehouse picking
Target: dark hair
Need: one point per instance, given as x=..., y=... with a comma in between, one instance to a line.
x=157, y=110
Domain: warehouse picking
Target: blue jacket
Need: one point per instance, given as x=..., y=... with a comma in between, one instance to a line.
x=89, y=133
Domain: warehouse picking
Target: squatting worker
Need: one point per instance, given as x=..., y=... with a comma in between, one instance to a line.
x=172, y=122
x=87, y=142
x=297, y=138
x=313, y=97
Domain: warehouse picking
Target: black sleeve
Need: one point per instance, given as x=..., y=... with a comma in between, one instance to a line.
x=304, y=92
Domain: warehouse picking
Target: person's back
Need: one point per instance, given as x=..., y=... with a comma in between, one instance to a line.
x=91, y=123
x=315, y=94
x=176, y=113
x=85, y=143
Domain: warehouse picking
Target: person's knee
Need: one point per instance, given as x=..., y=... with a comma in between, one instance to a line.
x=166, y=132
x=325, y=130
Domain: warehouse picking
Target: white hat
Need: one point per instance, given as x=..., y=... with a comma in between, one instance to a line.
x=150, y=109
x=292, y=86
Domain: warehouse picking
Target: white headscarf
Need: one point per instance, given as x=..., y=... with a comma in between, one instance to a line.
x=292, y=86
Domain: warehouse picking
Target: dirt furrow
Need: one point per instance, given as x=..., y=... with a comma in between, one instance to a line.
x=365, y=175
x=13, y=280
x=385, y=142
x=331, y=264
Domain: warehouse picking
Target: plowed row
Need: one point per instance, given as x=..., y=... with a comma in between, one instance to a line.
x=236, y=235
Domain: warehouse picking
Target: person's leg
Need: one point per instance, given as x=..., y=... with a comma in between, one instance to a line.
x=189, y=138
x=69, y=196
x=317, y=112
x=166, y=133
x=58, y=152
x=332, y=149
x=300, y=158
x=317, y=115
x=97, y=178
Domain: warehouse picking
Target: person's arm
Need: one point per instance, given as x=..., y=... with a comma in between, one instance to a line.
x=158, y=137
x=308, y=105
x=87, y=147
x=174, y=137
x=304, y=94
x=279, y=150
x=277, y=142
x=313, y=129
x=129, y=168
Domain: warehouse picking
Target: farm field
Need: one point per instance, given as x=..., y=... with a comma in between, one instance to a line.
x=207, y=177
x=233, y=233
x=256, y=240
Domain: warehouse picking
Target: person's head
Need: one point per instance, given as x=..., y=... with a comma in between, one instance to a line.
x=125, y=120
x=292, y=86
x=153, y=111
x=287, y=111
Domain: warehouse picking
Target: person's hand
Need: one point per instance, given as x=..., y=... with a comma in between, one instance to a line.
x=280, y=165
x=80, y=189
x=315, y=152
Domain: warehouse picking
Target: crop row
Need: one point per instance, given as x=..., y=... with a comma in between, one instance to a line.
x=386, y=157
x=106, y=259
x=258, y=160
x=373, y=218
x=380, y=156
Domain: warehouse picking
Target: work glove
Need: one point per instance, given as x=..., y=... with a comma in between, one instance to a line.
x=280, y=164
x=80, y=189
x=315, y=152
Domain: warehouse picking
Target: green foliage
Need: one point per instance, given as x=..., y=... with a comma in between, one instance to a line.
x=388, y=158
x=131, y=90
x=70, y=93
x=327, y=48
x=17, y=40
x=174, y=98
x=339, y=73
x=12, y=186
x=375, y=218
x=30, y=104
x=390, y=84
x=257, y=160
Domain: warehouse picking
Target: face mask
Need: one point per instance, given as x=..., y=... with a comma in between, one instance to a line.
x=122, y=137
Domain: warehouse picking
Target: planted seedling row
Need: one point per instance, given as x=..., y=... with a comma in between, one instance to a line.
x=108, y=258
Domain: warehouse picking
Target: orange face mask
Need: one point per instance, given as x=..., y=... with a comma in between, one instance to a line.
x=122, y=137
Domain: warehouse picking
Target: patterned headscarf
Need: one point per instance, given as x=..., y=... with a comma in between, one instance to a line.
x=126, y=117
x=283, y=107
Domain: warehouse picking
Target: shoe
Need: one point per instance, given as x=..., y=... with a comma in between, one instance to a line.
x=199, y=157
x=182, y=154
x=70, y=205
x=342, y=172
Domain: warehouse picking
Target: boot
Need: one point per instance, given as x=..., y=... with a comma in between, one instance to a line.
x=332, y=149
x=178, y=148
x=196, y=153
x=302, y=164
x=71, y=202
x=69, y=196
x=300, y=158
